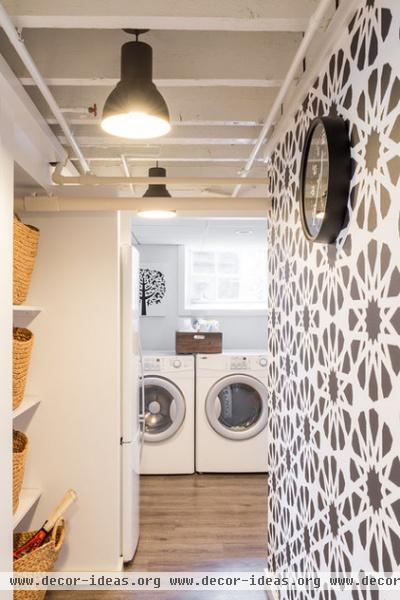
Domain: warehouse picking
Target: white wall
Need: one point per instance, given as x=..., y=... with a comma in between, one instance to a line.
x=6, y=213
x=158, y=333
x=75, y=370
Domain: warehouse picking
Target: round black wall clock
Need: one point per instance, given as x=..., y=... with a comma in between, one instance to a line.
x=325, y=179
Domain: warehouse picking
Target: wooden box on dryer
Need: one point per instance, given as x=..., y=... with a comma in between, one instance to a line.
x=198, y=342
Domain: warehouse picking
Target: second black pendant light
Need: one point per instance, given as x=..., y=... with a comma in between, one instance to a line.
x=157, y=190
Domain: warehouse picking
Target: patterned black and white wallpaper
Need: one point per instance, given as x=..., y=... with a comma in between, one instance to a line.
x=334, y=328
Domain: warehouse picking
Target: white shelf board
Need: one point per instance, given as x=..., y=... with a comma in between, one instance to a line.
x=28, y=497
x=27, y=403
x=24, y=314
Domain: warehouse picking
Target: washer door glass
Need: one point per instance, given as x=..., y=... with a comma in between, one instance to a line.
x=236, y=407
x=164, y=409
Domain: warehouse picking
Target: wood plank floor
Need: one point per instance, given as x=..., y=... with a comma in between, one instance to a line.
x=196, y=523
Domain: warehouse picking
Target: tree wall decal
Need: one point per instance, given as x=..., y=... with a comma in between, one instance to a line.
x=152, y=288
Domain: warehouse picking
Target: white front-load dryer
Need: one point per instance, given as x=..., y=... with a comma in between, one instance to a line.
x=231, y=413
x=168, y=446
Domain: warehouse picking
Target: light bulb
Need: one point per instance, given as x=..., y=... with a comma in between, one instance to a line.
x=135, y=125
x=157, y=214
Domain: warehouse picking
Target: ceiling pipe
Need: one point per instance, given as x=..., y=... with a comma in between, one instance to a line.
x=125, y=167
x=313, y=25
x=19, y=46
x=343, y=15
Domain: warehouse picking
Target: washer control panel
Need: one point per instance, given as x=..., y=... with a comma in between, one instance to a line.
x=151, y=364
x=168, y=364
x=239, y=363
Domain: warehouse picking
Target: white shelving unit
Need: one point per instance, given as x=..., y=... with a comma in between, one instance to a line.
x=27, y=500
x=23, y=315
x=28, y=402
x=25, y=143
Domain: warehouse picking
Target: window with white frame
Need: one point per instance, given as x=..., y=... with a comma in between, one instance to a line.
x=225, y=279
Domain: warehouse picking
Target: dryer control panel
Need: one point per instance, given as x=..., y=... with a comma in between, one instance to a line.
x=237, y=362
x=248, y=363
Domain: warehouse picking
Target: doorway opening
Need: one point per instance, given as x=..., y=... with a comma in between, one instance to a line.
x=204, y=487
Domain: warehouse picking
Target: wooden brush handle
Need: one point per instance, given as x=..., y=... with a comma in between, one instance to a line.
x=69, y=497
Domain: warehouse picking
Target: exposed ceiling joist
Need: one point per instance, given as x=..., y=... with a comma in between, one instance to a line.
x=161, y=153
x=107, y=142
x=200, y=206
x=162, y=83
x=160, y=23
x=115, y=169
x=181, y=159
x=199, y=123
x=178, y=55
x=186, y=169
x=185, y=104
x=91, y=179
x=250, y=15
x=229, y=133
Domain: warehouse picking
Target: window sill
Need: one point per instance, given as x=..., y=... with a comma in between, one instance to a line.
x=222, y=312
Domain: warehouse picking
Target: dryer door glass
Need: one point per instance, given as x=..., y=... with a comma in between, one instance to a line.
x=240, y=406
x=237, y=407
x=164, y=409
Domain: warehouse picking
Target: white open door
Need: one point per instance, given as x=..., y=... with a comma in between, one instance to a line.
x=130, y=499
x=130, y=343
x=130, y=426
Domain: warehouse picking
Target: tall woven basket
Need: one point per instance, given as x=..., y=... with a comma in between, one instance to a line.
x=26, y=241
x=20, y=450
x=22, y=349
x=40, y=560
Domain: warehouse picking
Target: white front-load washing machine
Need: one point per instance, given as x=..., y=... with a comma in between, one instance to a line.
x=169, y=412
x=231, y=412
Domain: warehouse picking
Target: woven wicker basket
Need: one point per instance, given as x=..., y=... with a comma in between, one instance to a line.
x=40, y=560
x=22, y=349
x=20, y=449
x=26, y=241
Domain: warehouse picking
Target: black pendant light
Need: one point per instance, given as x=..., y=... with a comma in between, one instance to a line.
x=135, y=108
x=157, y=190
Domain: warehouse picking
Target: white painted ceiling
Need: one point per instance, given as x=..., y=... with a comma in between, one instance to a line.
x=200, y=232
x=219, y=65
